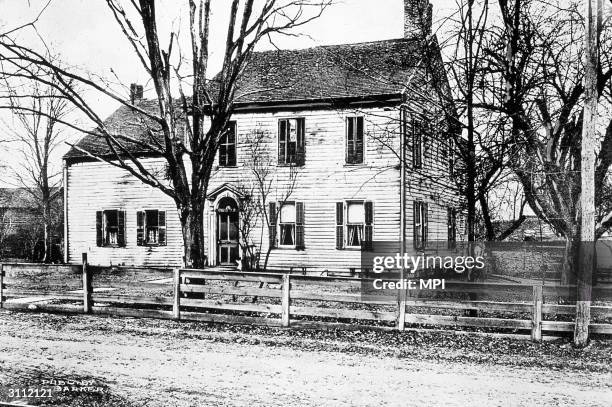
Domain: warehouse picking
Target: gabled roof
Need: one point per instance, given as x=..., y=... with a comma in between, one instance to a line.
x=364, y=71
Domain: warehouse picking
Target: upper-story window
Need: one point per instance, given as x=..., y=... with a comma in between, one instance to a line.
x=227, y=148
x=451, y=157
x=291, y=141
x=418, y=148
x=354, y=140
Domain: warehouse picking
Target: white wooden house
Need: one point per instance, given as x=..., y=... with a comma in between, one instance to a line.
x=330, y=125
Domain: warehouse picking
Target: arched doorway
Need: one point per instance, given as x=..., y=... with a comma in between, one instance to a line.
x=227, y=232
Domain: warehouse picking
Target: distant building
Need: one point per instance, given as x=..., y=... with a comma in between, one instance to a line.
x=21, y=226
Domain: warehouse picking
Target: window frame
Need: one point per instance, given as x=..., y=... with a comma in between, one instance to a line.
x=451, y=158
x=420, y=229
x=347, y=224
x=418, y=145
x=104, y=228
x=451, y=227
x=234, y=124
x=280, y=224
x=300, y=142
x=356, y=120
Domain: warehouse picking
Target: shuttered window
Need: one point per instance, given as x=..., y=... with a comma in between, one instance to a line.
x=287, y=223
x=452, y=227
x=420, y=224
x=451, y=157
x=151, y=228
x=291, y=141
x=227, y=147
x=418, y=144
x=110, y=228
x=354, y=224
x=354, y=140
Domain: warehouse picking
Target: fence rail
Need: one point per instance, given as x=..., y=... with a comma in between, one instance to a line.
x=284, y=300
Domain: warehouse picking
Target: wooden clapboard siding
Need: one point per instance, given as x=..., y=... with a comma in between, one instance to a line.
x=95, y=186
x=324, y=180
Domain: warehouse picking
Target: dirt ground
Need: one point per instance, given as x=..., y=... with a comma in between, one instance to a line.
x=139, y=362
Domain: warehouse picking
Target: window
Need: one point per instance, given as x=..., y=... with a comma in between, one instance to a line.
x=291, y=141
x=290, y=226
x=417, y=146
x=452, y=227
x=451, y=157
x=420, y=224
x=227, y=148
x=287, y=224
x=354, y=140
x=151, y=228
x=355, y=221
x=110, y=228
x=354, y=224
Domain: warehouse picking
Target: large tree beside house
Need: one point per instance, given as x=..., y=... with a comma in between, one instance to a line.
x=209, y=104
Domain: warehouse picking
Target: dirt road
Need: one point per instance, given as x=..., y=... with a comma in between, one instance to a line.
x=163, y=363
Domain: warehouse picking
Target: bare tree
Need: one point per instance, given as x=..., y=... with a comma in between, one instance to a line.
x=268, y=185
x=541, y=60
x=209, y=103
x=35, y=133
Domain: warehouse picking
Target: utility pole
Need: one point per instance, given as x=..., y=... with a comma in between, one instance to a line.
x=587, y=247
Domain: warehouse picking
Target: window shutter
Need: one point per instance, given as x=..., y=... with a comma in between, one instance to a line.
x=417, y=146
x=272, y=227
x=350, y=150
x=161, y=222
x=99, y=239
x=299, y=226
x=425, y=224
x=339, y=225
x=121, y=228
x=369, y=226
x=359, y=141
x=416, y=224
x=282, y=138
x=140, y=221
x=301, y=143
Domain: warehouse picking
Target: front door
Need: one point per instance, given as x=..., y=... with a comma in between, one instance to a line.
x=227, y=232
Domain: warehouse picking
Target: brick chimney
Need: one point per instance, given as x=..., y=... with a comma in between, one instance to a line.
x=417, y=18
x=136, y=92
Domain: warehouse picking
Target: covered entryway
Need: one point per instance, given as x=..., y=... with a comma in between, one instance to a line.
x=227, y=232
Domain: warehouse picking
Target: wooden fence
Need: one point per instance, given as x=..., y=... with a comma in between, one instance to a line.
x=292, y=300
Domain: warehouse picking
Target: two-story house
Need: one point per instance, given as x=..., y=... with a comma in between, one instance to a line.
x=351, y=141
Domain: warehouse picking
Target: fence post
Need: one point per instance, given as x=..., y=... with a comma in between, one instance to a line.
x=1, y=285
x=285, y=301
x=86, y=286
x=536, y=330
x=401, y=315
x=176, y=306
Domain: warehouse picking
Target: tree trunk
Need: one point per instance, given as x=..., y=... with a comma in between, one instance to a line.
x=587, y=171
x=192, y=226
x=46, y=257
x=570, y=259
